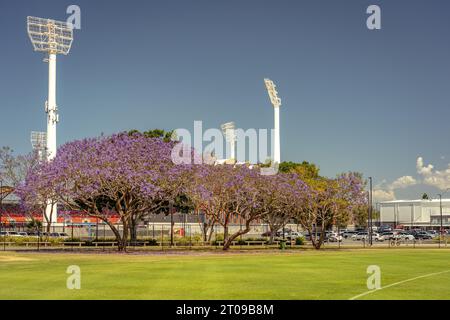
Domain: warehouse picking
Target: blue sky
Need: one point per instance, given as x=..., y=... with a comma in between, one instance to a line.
x=353, y=99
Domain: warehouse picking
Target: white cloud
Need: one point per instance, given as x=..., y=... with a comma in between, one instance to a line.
x=386, y=192
x=427, y=175
x=432, y=177
x=421, y=169
x=402, y=183
x=383, y=195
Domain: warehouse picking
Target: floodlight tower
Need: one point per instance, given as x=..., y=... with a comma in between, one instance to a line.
x=38, y=142
x=52, y=37
x=276, y=102
x=228, y=130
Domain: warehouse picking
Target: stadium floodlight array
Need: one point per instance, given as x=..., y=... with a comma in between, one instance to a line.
x=52, y=37
x=39, y=142
x=276, y=102
x=229, y=131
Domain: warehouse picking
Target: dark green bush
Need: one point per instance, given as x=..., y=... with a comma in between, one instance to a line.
x=300, y=241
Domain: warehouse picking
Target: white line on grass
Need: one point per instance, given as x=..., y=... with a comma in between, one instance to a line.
x=397, y=283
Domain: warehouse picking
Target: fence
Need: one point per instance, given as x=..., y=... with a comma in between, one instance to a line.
x=166, y=244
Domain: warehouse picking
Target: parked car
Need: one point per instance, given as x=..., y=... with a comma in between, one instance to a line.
x=286, y=232
x=348, y=234
x=365, y=236
x=316, y=234
x=59, y=235
x=384, y=229
x=334, y=237
x=23, y=234
x=422, y=235
x=405, y=236
x=36, y=234
x=293, y=235
x=377, y=237
x=9, y=234
x=433, y=233
x=359, y=236
x=386, y=236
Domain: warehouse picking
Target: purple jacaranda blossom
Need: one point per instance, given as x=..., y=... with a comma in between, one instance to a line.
x=128, y=174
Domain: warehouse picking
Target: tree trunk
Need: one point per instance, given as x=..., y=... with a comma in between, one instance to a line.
x=48, y=227
x=227, y=243
x=211, y=229
x=121, y=244
x=272, y=237
x=205, y=232
x=225, y=233
x=318, y=244
x=125, y=236
x=273, y=230
x=133, y=229
x=49, y=221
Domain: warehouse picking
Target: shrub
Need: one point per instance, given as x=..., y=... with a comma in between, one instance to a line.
x=300, y=241
x=23, y=240
x=152, y=242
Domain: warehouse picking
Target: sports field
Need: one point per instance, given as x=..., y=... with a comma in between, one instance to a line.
x=405, y=274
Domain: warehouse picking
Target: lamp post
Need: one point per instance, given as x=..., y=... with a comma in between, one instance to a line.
x=370, y=211
x=440, y=214
x=171, y=223
x=1, y=206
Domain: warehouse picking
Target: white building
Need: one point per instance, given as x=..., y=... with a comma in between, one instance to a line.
x=415, y=213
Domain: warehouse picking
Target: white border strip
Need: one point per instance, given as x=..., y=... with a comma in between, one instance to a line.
x=397, y=283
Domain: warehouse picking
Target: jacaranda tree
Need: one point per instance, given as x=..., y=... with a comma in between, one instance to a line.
x=225, y=193
x=329, y=202
x=121, y=174
x=281, y=196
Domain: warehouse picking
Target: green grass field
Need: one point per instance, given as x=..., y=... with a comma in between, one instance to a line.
x=262, y=275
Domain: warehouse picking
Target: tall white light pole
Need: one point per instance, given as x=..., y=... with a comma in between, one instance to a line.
x=228, y=130
x=50, y=108
x=52, y=37
x=276, y=102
